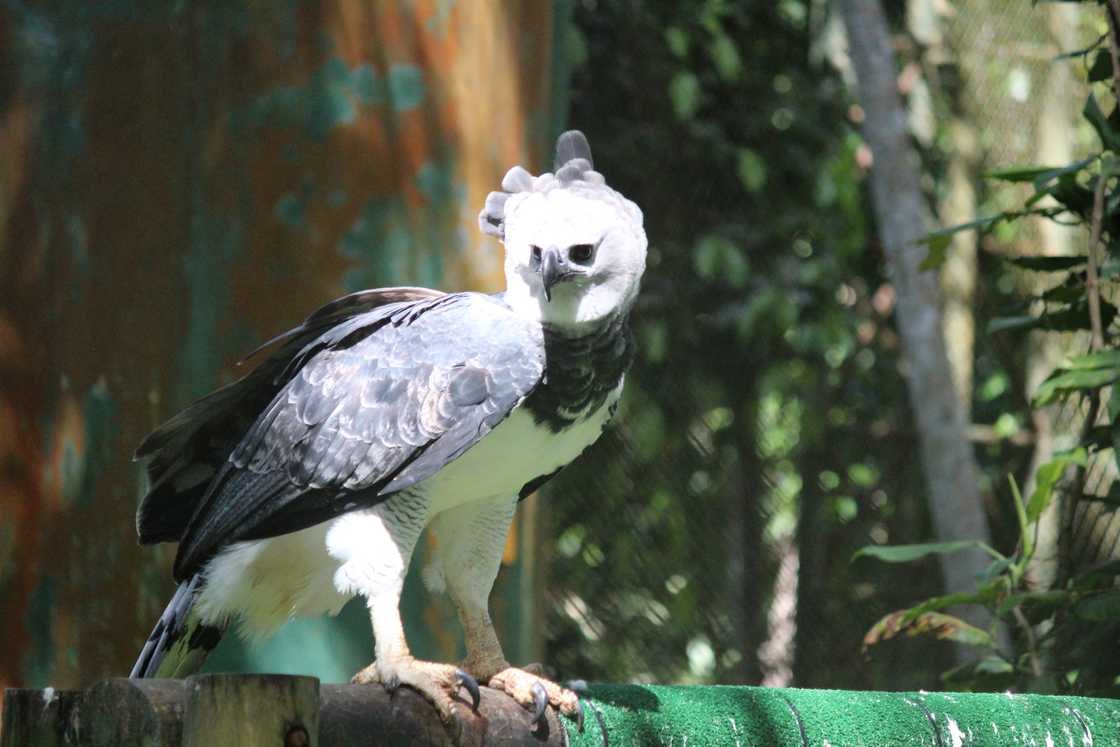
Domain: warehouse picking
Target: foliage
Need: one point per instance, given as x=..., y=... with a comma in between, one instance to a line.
x=764, y=421
x=1059, y=629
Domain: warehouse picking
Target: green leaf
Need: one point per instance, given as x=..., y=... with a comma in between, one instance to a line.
x=936, y=624
x=1092, y=112
x=1080, y=52
x=1101, y=69
x=1098, y=575
x=938, y=241
x=1069, y=318
x=1047, y=264
x=1044, y=600
x=938, y=247
x=725, y=56
x=684, y=92
x=677, y=40
x=995, y=568
x=1047, y=477
x=1099, y=607
x=1020, y=173
x=1040, y=176
x=719, y=259
x=1062, y=382
x=1099, y=359
x=752, y=170
x=948, y=600
x=907, y=553
x=1004, y=323
x=990, y=674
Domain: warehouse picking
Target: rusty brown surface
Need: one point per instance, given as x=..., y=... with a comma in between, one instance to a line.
x=177, y=185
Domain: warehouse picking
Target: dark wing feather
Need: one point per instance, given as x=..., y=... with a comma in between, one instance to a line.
x=366, y=413
x=184, y=454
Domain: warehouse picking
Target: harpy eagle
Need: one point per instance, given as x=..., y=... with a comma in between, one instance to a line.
x=387, y=411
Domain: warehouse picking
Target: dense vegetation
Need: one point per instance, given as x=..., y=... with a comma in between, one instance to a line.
x=766, y=423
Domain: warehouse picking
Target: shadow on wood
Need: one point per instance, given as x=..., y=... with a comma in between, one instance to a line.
x=219, y=709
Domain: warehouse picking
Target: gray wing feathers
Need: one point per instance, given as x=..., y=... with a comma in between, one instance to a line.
x=366, y=416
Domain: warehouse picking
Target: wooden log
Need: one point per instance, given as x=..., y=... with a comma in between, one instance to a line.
x=370, y=715
x=43, y=718
x=132, y=713
x=251, y=709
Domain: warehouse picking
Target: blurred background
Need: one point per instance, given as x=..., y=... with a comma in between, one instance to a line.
x=181, y=181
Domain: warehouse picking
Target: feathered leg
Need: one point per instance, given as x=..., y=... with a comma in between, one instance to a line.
x=376, y=546
x=472, y=538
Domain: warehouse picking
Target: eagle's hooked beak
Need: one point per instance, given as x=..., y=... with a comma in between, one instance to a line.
x=553, y=269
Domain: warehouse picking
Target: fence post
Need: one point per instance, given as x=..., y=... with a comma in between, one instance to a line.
x=251, y=709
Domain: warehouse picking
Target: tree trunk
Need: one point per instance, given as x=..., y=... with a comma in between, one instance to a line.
x=951, y=472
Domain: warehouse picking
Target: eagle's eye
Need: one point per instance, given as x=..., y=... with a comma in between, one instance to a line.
x=581, y=253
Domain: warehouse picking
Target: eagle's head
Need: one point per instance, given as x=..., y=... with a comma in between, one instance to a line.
x=575, y=248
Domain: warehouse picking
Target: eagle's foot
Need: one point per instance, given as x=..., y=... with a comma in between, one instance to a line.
x=439, y=683
x=535, y=693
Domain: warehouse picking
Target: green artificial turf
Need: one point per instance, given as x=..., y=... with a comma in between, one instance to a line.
x=775, y=717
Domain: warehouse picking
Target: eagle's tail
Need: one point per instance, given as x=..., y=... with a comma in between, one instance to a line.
x=181, y=641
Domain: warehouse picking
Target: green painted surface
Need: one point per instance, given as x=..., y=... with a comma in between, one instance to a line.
x=650, y=715
x=215, y=125
x=215, y=244
x=332, y=98
x=39, y=656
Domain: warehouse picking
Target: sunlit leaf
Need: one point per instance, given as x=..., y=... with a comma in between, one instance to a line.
x=936, y=624
x=1064, y=381
x=1046, y=477
x=938, y=241
x=907, y=553
x=1100, y=359
x=1019, y=173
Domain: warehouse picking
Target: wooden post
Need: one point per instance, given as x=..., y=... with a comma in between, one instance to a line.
x=254, y=709
x=43, y=718
x=131, y=713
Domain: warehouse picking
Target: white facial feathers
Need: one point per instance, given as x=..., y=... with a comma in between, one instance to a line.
x=575, y=248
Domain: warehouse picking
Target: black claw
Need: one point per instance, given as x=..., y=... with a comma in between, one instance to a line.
x=579, y=715
x=392, y=683
x=465, y=680
x=540, y=701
